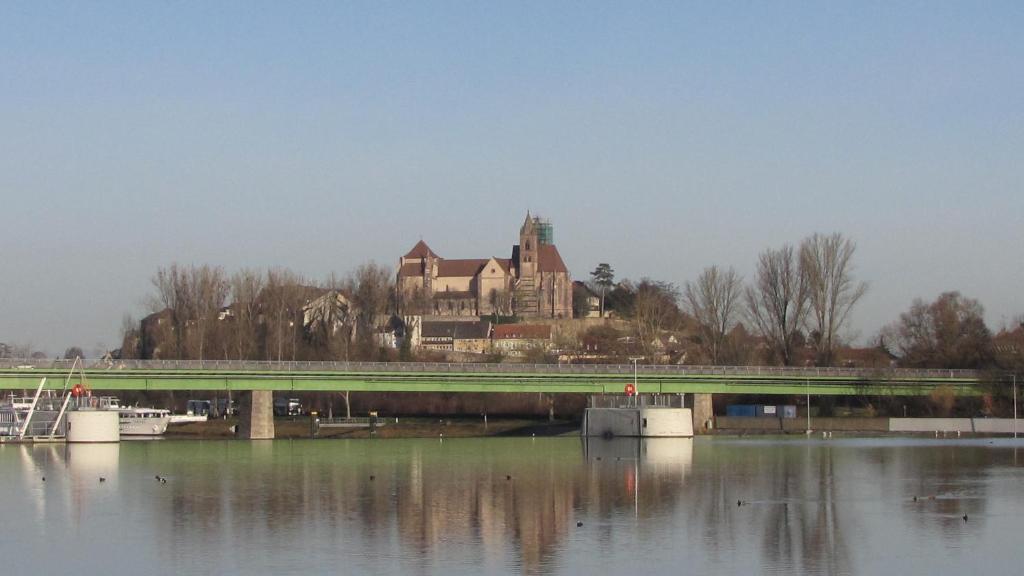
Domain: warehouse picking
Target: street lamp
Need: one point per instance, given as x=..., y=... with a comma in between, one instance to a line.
x=636, y=391
x=808, y=388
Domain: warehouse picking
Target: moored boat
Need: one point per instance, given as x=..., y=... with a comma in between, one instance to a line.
x=143, y=421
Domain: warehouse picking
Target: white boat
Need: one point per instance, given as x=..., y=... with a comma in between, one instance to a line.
x=187, y=418
x=134, y=421
x=143, y=421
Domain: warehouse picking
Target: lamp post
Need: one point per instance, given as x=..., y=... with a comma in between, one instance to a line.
x=808, y=389
x=1014, y=404
x=636, y=391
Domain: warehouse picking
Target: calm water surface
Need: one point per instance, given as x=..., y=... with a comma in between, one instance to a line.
x=432, y=507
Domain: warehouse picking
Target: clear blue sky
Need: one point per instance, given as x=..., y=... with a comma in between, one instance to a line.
x=659, y=137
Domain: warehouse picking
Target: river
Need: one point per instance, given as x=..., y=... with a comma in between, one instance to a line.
x=514, y=505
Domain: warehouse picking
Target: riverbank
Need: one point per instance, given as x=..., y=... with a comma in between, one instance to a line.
x=405, y=428
x=433, y=427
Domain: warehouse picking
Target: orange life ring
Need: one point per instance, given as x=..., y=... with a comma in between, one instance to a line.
x=630, y=389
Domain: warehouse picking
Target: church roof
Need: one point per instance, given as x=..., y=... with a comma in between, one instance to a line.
x=420, y=250
x=521, y=331
x=460, y=268
x=411, y=269
x=455, y=330
x=549, y=260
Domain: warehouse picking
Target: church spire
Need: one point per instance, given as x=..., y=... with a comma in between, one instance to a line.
x=527, y=225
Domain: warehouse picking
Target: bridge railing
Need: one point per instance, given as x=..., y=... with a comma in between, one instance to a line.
x=488, y=368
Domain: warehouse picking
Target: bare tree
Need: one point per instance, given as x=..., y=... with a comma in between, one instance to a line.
x=947, y=333
x=777, y=301
x=246, y=286
x=130, y=337
x=283, y=297
x=348, y=407
x=193, y=297
x=74, y=352
x=171, y=295
x=826, y=263
x=371, y=291
x=328, y=322
x=714, y=301
x=655, y=310
x=209, y=292
x=500, y=302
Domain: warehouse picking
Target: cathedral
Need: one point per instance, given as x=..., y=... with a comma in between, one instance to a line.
x=533, y=283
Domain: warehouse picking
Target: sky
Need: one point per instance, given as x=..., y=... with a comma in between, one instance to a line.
x=659, y=137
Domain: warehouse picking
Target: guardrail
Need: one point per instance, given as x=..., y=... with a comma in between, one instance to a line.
x=488, y=368
x=355, y=421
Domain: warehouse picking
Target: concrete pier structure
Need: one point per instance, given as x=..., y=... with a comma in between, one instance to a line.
x=703, y=414
x=93, y=426
x=256, y=411
x=642, y=416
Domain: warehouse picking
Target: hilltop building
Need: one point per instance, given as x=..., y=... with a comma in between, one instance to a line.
x=533, y=283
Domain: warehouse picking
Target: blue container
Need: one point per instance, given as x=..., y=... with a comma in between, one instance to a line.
x=741, y=410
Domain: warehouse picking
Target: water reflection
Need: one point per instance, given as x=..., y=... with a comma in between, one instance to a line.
x=500, y=505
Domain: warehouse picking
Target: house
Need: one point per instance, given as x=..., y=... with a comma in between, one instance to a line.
x=587, y=302
x=517, y=339
x=454, y=336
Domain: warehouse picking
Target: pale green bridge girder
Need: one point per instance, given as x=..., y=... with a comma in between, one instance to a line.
x=417, y=377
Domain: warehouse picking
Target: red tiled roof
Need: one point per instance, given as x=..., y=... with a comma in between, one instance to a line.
x=414, y=269
x=460, y=268
x=515, y=331
x=420, y=250
x=455, y=330
x=549, y=260
x=583, y=286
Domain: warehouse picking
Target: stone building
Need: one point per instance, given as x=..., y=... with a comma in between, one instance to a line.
x=517, y=339
x=533, y=283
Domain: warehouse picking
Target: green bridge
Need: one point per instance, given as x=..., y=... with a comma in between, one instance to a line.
x=436, y=377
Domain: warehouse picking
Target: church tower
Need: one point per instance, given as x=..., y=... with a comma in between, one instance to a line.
x=528, y=241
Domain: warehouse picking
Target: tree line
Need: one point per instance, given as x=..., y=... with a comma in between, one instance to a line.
x=796, y=310
x=203, y=312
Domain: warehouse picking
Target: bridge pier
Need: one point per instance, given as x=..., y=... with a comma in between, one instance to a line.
x=703, y=413
x=256, y=412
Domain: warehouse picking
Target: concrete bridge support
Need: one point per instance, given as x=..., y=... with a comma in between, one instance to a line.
x=703, y=414
x=256, y=412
